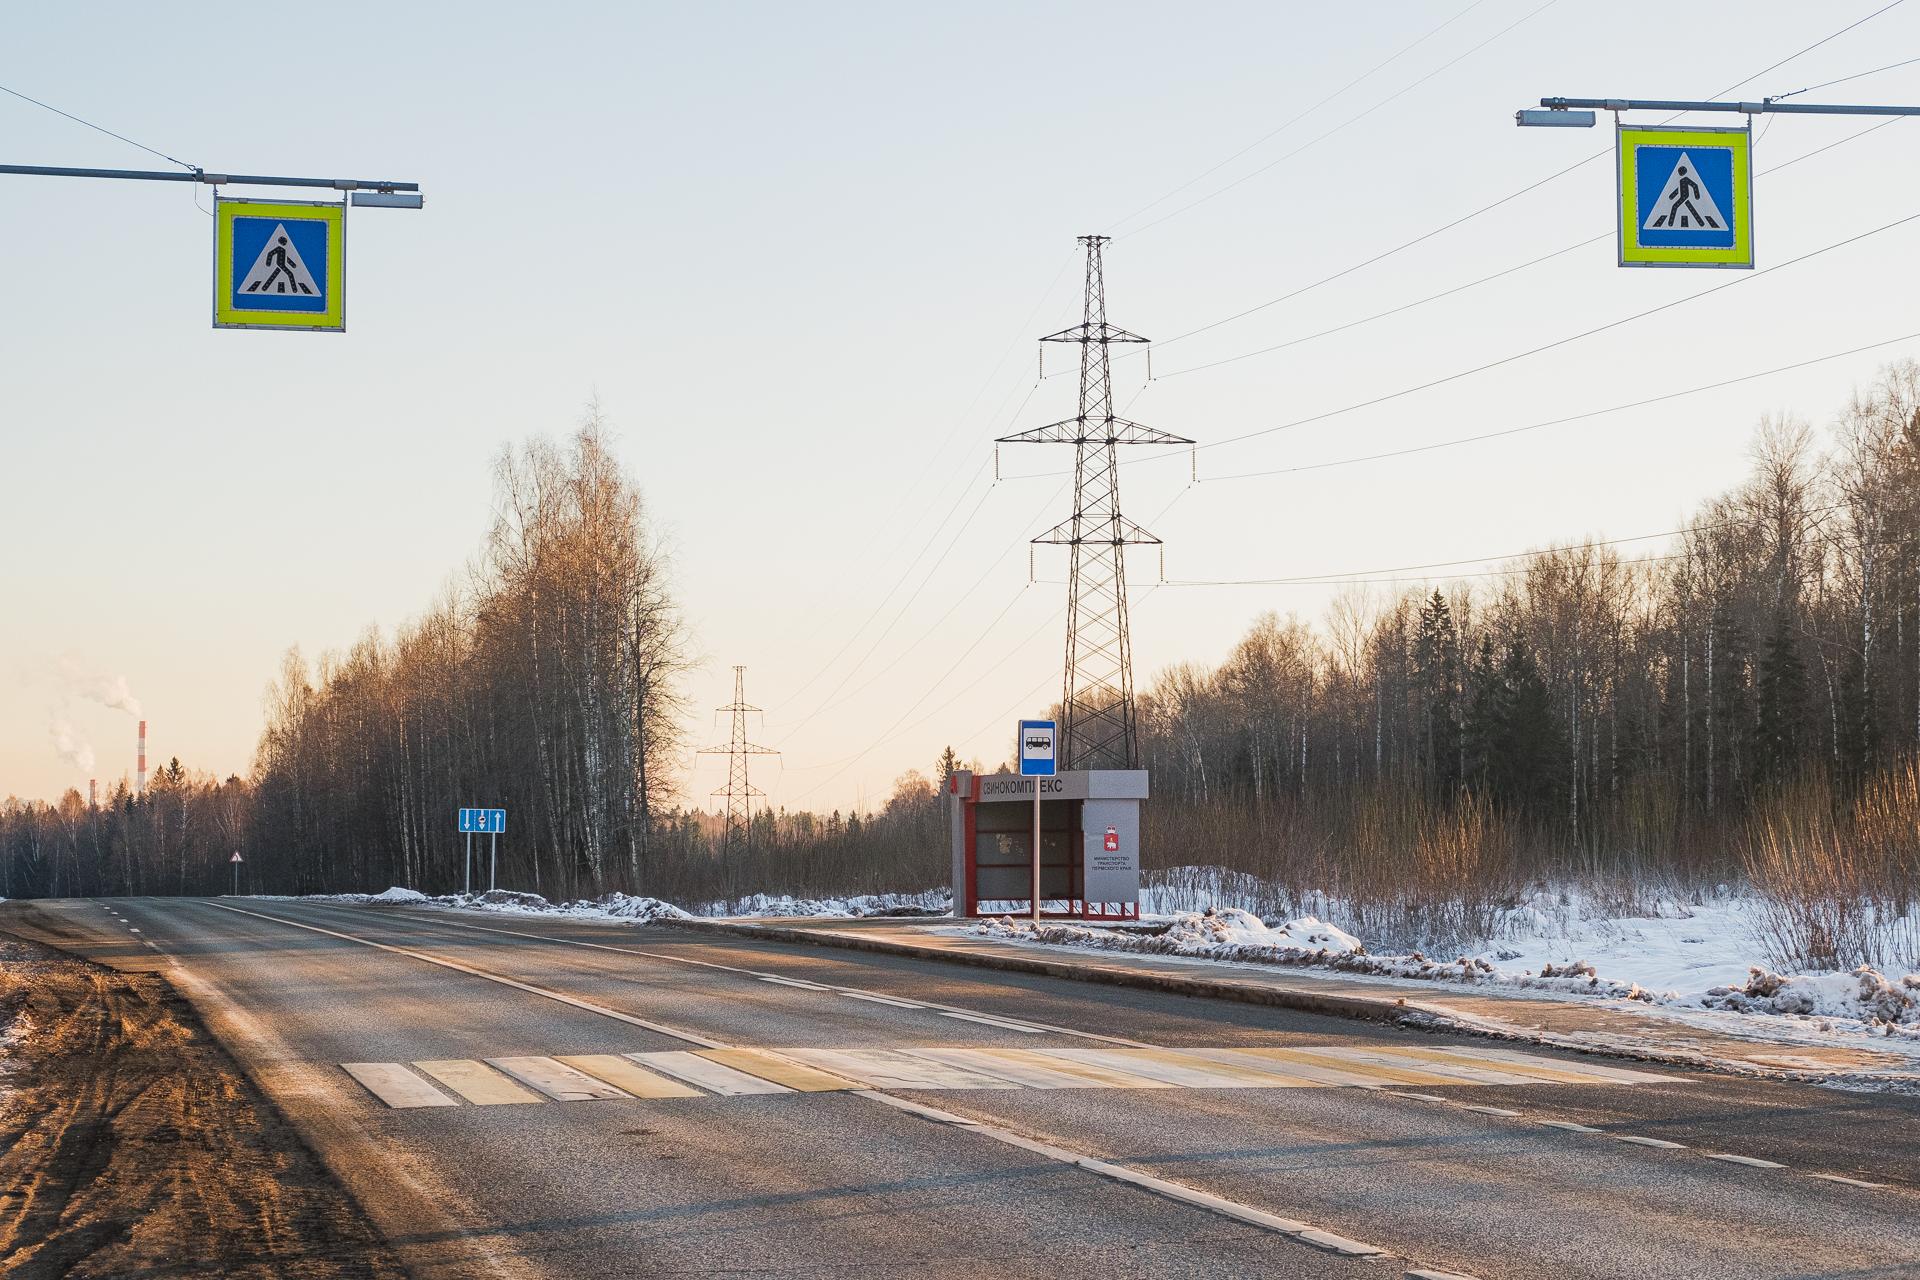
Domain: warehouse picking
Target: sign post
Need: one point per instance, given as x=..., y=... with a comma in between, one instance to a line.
x=488, y=822
x=1037, y=761
x=236, y=873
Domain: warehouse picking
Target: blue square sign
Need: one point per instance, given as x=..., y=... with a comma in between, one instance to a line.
x=1038, y=739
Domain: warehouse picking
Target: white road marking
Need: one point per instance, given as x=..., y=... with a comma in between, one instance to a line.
x=587, y=1005
x=897, y=1069
x=1569, y=1126
x=396, y=1086
x=1488, y=1111
x=557, y=1080
x=1637, y=1141
x=898, y=1004
x=1189, y=1070
x=1437, y=1275
x=133, y=930
x=1219, y=1205
x=985, y=1020
x=1425, y=1097
x=788, y=982
x=1036, y=1071
x=706, y=1073
x=1751, y=1161
x=1619, y=1075
x=1851, y=1182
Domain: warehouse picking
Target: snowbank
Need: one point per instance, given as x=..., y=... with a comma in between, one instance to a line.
x=1865, y=1001
x=397, y=895
x=761, y=905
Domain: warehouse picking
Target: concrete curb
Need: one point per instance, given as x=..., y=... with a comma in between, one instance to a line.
x=1339, y=1006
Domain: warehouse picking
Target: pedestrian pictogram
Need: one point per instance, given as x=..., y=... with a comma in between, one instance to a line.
x=279, y=265
x=1685, y=197
x=1684, y=203
x=1113, y=840
x=278, y=270
x=236, y=857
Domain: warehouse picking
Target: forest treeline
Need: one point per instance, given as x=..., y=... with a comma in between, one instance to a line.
x=1636, y=713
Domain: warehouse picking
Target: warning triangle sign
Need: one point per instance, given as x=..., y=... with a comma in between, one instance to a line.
x=1684, y=203
x=279, y=269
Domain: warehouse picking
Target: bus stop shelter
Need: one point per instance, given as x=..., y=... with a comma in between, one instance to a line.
x=1089, y=843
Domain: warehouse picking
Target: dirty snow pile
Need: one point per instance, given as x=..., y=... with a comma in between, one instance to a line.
x=931, y=903
x=1864, y=995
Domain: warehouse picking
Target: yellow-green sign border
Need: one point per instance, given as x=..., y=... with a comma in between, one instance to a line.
x=1627, y=140
x=227, y=316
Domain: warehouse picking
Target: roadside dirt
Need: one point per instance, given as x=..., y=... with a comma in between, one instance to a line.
x=132, y=1146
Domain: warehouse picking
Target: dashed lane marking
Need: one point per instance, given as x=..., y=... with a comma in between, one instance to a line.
x=396, y=1086
x=867, y=995
x=1849, y=1182
x=1638, y=1141
x=1006, y=1024
x=1753, y=1162
x=1568, y=1125
x=1437, y=1275
x=477, y=1082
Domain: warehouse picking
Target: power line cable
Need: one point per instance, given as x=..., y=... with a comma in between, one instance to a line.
x=1828, y=84
x=191, y=168
x=1280, y=129
x=1485, y=279
x=1344, y=124
x=1562, y=421
x=1488, y=208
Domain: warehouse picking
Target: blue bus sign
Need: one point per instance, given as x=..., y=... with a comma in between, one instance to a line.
x=483, y=821
x=1037, y=739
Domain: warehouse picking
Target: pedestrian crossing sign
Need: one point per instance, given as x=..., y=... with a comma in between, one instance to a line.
x=1686, y=197
x=279, y=265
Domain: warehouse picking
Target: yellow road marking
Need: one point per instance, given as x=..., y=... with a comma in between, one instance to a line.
x=758, y=1062
x=621, y=1073
x=557, y=1080
x=1187, y=1070
x=477, y=1082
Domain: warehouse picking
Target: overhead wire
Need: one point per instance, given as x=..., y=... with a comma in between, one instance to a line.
x=1296, y=119
x=97, y=128
x=1345, y=124
x=1490, y=207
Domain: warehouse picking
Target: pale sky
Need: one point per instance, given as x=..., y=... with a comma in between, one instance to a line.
x=800, y=253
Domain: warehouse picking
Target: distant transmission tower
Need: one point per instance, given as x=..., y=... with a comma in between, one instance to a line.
x=1097, y=700
x=738, y=791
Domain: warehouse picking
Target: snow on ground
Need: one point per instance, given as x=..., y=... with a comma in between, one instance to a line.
x=620, y=906
x=1693, y=961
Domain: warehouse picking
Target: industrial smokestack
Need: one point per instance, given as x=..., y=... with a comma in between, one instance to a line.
x=140, y=778
x=93, y=793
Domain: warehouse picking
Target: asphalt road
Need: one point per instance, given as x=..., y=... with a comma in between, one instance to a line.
x=851, y=1182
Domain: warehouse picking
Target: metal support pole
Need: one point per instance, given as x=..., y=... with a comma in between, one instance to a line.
x=493, y=858
x=1036, y=851
x=1761, y=108
x=209, y=179
x=236, y=879
x=469, y=876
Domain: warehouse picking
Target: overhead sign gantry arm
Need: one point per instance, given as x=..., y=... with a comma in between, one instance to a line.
x=359, y=187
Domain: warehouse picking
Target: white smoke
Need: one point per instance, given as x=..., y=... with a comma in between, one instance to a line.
x=67, y=743
x=108, y=691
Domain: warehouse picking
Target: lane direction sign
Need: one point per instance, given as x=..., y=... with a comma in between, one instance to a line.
x=279, y=265
x=1685, y=197
x=483, y=822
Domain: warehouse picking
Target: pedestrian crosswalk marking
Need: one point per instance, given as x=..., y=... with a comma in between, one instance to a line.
x=557, y=1080
x=628, y=1076
x=396, y=1086
x=715, y=1077
x=1684, y=203
x=279, y=270
x=477, y=1082
x=728, y=1072
x=784, y=1071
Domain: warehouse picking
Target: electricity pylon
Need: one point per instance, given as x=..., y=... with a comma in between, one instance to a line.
x=1097, y=699
x=738, y=791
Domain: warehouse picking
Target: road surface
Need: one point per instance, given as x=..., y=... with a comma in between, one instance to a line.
x=808, y=1111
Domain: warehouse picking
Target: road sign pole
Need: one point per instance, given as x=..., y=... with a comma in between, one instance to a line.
x=493, y=858
x=236, y=879
x=469, y=878
x=1036, y=851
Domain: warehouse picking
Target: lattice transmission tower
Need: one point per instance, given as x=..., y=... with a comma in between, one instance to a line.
x=738, y=791
x=1097, y=697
